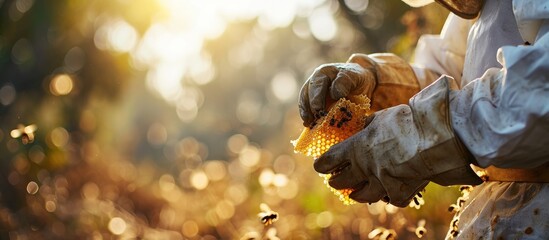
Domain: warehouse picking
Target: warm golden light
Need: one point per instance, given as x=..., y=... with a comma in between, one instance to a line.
x=117, y=225
x=190, y=229
x=61, y=84
x=59, y=137
x=345, y=118
x=199, y=180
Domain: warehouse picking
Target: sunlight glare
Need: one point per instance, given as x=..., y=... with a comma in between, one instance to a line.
x=201, y=70
x=171, y=49
x=322, y=24
x=277, y=14
x=122, y=37
x=199, y=180
x=165, y=79
x=116, y=35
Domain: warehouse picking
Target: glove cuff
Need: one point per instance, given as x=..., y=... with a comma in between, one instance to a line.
x=396, y=81
x=442, y=153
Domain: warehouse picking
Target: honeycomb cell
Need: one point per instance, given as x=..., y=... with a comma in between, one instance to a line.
x=345, y=118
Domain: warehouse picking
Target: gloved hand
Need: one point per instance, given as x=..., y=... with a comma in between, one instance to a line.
x=378, y=161
x=385, y=78
x=400, y=150
x=335, y=80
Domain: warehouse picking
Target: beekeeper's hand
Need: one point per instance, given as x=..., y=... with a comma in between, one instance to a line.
x=335, y=80
x=385, y=78
x=400, y=150
x=380, y=162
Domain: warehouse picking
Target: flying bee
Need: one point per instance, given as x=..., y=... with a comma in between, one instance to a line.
x=25, y=132
x=267, y=216
x=420, y=230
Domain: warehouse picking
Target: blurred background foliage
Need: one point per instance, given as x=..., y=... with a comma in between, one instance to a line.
x=172, y=119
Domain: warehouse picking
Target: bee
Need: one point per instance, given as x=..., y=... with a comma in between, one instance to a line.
x=454, y=233
x=382, y=233
x=420, y=229
x=332, y=121
x=25, y=132
x=453, y=208
x=461, y=201
x=342, y=121
x=346, y=111
x=267, y=216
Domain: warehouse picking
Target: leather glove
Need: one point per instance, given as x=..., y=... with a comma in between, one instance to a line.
x=400, y=150
x=385, y=78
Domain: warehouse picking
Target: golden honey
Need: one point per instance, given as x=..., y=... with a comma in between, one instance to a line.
x=345, y=118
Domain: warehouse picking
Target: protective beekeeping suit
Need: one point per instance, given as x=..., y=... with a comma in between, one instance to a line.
x=483, y=110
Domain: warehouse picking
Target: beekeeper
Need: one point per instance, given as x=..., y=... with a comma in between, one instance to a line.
x=475, y=102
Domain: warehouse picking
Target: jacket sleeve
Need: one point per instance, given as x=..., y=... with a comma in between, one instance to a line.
x=442, y=54
x=503, y=117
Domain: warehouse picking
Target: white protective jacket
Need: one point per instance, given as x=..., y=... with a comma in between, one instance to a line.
x=500, y=112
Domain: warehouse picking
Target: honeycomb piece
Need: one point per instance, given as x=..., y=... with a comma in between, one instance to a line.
x=345, y=118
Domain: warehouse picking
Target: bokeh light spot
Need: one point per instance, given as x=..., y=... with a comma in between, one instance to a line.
x=284, y=164
x=284, y=86
x=59, y=137
x=61, y=84
x=50, y=206
x=266, y=177
x=357, y=6
x=22, y=51
x=32, y=187
x=237, y=142
x=24, y=5
x=117, y=225
x=166, y=182
x=7, y=94
x=117, y=35
x=190, y=228
x=322, y=24
x=249, y=156
x=280, y=180
x=215, y=170
x=288, y=191
x=199, y=180
x=324, y=219
x=74, y=60
x=36, y=154
x=90, y=190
